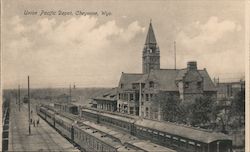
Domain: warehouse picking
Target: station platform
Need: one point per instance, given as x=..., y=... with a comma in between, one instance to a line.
x=42, y=138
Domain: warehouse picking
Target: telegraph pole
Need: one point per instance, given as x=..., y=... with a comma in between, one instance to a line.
x=16, y=96
x=19, y=96
x=174, y=55
x=29, y=103
x=70, y=93
x=140, y=98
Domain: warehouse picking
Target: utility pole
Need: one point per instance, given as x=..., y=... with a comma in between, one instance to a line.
x=19, y=96
x=174, y=55
x=16, y=96
x=140, y=98
x=70, y=93
x=29, y=103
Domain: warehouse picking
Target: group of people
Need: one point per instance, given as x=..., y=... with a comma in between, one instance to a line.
x=35, y=122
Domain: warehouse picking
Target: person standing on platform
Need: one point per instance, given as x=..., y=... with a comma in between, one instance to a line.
x=37, y=122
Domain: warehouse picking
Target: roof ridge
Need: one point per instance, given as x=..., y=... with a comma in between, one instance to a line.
x=133, y=73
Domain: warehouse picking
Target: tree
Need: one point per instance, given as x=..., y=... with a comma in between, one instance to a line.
x=169, y=105
x=201, y=111
x=238, y=106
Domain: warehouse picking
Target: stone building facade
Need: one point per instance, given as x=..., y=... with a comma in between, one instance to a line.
x=136, y=91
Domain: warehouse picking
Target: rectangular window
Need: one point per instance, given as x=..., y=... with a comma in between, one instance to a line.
x=147, y=97
x=147, y=112
x=143, y=85
x=168, y=136
x=151, y=84
x=132, y=110
x=151, y=97
x=131, y=97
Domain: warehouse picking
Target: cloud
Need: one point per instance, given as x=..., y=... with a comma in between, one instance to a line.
x=217, y=45
x=69, y=48
x=44, y=26
x=198, y=36
x=16, y=21
x=134, y=27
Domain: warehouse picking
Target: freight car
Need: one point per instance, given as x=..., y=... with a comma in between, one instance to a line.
x=176, y=136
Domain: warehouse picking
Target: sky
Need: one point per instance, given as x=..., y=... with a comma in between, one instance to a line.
x=93, y=51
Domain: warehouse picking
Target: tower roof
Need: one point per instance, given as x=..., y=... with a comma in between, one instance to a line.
x=150, y=36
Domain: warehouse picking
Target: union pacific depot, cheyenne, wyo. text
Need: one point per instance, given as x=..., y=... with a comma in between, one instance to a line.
x=66, y=13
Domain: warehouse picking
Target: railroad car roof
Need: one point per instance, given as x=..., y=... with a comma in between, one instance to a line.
x=122, y=137
x=187, y=132
x=149, y=146
x=126, y=138
x=100, y=136
x=112, y=113
x=69, y=121
x=50, y=111
x=117, y=117
x=196, y=134
x=106, y=138
x=125, y=148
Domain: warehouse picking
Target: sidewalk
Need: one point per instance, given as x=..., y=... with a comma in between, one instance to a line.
x=43, y=137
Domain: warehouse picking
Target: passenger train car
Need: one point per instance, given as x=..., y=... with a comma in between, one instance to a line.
x=90, y=136
x=179, y=137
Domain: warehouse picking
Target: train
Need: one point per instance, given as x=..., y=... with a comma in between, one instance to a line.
x=90, y=136
x=181, y=138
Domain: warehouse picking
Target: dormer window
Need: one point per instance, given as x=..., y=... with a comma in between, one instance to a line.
x=121, y=85
x=151, y=84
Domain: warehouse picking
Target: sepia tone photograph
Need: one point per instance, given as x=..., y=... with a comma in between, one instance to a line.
x=120, y=76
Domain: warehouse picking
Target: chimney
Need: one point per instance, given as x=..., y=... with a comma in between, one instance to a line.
x=192, y=65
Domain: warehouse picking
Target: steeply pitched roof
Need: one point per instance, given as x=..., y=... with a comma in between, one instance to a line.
x=165, y=79
x=128, y=78
x=150, y=36
x=208, y=83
